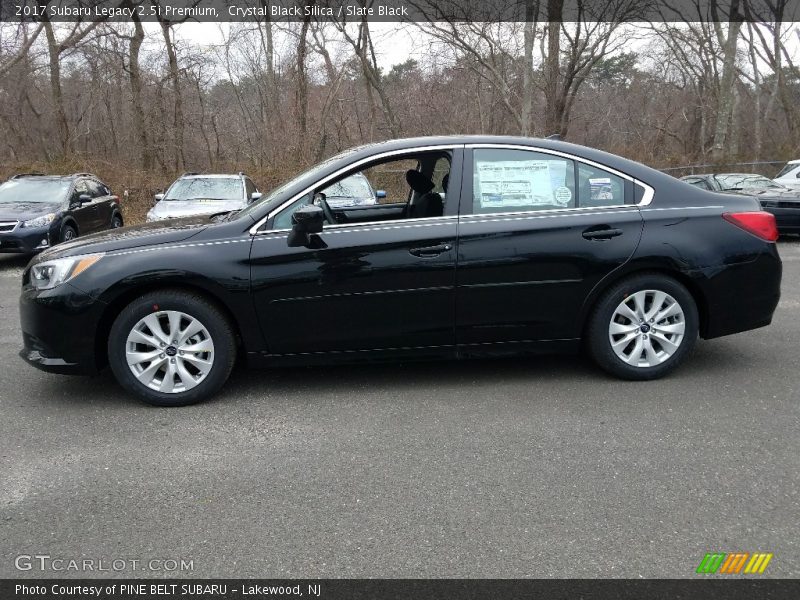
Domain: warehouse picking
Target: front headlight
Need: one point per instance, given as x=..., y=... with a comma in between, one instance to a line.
x=151, y=216
x=40, y=221
x=50, y=273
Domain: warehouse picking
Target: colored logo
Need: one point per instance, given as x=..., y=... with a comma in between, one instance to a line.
x=734, y=563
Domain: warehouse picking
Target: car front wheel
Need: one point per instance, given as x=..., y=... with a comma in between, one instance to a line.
x=171, y=348
x=643, y=327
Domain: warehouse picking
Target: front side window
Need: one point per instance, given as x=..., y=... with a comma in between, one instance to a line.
x=521, y=180
x=409, y=187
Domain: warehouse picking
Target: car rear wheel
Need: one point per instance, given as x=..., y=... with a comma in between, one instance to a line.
x=643, y=327
x=171, y=348
x=68, y=232
x=116, y=221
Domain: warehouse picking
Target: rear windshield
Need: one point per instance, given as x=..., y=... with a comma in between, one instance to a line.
x=742, y=182
x=34, y=190
x=212, y=188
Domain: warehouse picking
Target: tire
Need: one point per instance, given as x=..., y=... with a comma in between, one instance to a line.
x=116, y=221
x=626, y=346
x=163, y=373
x=68, y=233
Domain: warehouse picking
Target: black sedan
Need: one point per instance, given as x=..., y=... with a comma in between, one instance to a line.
x=39, y=211
x=774, y=198
x=484, y=246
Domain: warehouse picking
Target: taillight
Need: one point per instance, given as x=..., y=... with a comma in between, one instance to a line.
x=761, y=224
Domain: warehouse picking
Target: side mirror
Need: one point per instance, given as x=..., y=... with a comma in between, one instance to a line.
x=158, y=198
x=255, y=196
x=380, y=194
x=80, y=201
x=305, y=221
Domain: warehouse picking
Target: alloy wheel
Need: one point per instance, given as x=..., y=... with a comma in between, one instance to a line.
x=647, y=328
x=169, y=351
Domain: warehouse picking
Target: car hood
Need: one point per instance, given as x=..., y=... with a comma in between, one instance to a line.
x=168, y=209
x=24, y=211
x=149, y=234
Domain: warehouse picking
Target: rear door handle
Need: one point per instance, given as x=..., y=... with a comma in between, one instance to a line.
x=601, y=233
x=431, y=251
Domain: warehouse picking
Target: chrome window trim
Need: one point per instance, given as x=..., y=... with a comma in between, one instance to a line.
x=254, y=230
x=646, y=200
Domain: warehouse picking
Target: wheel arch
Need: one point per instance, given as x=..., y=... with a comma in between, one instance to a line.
x=125, y=297
x=69, y=220
x=699, y=297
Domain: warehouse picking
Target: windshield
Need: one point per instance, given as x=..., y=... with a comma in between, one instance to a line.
x=786, y=170
x=209, y=188
x=355, y=186
x=34, y=190
x=307, y=177
x=738, y=182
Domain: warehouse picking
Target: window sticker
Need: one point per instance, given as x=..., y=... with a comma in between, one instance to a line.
x=600, y=189
x=563, y=195
x=515, y=183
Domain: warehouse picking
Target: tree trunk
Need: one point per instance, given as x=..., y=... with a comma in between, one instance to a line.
x=62, y=125
x=553, y=102
x=179, y=159
x=139, y=122
x=722, y=134
x=527, y=66
x=302, y=86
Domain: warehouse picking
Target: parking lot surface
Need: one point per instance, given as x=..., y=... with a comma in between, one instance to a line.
x=535, y=467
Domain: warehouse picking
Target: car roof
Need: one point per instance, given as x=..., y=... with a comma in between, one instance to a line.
x=631, y=167
x=37, y=176
x=213, y=176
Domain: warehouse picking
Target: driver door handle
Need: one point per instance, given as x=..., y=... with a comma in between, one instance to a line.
x=601, y=233
x=431, y=251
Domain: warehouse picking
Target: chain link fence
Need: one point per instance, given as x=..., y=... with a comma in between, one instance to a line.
x=769, y=168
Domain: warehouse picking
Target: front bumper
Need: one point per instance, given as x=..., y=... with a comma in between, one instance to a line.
x=59, y=330
x=26, y=240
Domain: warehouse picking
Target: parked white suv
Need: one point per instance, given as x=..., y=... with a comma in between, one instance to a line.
x=789, y=175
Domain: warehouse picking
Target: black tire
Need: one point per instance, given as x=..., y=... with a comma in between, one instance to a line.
x=68, y=233
x=598, y=330
x=116, y=221
x=198, y=307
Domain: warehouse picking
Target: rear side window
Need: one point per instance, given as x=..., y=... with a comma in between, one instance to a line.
x=250, y=188
x=96, y=190
x=598, y=187
x=519, y=180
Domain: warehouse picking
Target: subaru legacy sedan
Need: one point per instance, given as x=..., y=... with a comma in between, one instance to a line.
x=484, y=246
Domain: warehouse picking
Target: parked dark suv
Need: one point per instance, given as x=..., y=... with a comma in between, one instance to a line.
x=39, y=211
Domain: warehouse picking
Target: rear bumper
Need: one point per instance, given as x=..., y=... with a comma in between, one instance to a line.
x=25, y=240
x=742, y=296
x=787, y=219
x=59, y=330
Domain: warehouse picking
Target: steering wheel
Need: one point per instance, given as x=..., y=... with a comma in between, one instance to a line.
x=326, y=209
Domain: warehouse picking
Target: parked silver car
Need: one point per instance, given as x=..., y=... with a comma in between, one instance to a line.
x=204, y=194
x=355, y=190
